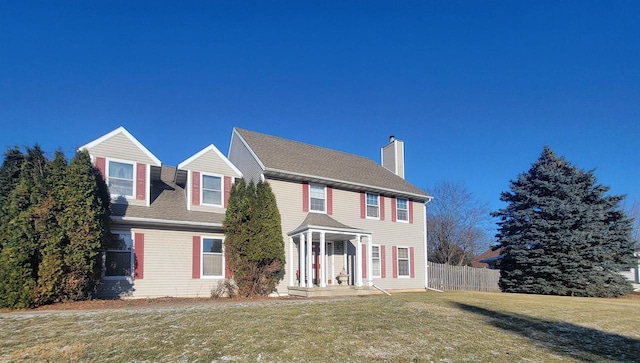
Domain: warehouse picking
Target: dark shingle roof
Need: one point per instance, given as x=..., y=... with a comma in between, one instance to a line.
x=168, y=206
x=281, y=156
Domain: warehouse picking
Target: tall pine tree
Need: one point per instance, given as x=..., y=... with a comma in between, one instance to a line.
x=561, y=234
x=9, y=177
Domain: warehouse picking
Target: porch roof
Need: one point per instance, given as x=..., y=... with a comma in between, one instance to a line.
x=323, y=222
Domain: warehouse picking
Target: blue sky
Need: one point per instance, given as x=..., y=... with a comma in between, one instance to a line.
x=474, y=88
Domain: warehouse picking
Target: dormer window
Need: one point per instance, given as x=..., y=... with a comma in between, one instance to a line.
x=373, y=206
x=402, y=210
x=317, y=198
x=211, y=190
x=120, y=178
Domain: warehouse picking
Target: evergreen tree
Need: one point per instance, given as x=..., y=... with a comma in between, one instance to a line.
x=85, y=219
x=9, y=177
x=561, y=235
x=254, y=248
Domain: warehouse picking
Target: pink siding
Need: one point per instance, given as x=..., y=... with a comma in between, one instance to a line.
x=195, y=266
x=394, y=256
x=329, y=201
x=101, y=164
x=141, y=182
x=305, y=197
x=383, y=261
x=195, y=188
x=139, y=256
x=393, y=209
x=227, y=190
x=364, y=260
x=363, y=206
x=381, y=208
x=411, y=262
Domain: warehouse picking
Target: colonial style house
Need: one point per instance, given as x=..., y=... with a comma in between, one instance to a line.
x=168, y=220
x=341, y=214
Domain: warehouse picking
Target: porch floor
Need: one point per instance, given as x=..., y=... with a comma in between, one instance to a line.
x=339, y=290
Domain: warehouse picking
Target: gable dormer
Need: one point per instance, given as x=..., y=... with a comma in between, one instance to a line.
x=207, y=177
x=126, y=165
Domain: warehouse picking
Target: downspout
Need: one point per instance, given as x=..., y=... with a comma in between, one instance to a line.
x=426, y=260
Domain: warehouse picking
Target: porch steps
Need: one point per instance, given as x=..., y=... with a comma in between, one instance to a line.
x=339, y=290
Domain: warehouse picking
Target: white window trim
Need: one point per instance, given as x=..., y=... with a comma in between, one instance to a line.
x=379, y=259
x=202, y=175
x=202, y=276
x=366, y=206
x=325, y=198
x=397, y=209
x=408, y=275
x=132, y=261
x=135, y=174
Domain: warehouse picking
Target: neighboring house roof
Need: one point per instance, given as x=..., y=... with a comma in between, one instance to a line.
x=168, y=207
x=487, y=258
x=283, y=158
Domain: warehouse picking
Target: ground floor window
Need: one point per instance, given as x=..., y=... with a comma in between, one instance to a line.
x=375, y=261
x=403, y=261
x=118, y=257
x=212, y=261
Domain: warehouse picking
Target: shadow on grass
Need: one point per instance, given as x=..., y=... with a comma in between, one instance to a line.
x=562, y=338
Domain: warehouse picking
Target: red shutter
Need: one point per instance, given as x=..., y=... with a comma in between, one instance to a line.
x=195, y=188
x=364, y=260
x=383, y=262
x=138, y=271
x=195, y=267
x=363, y=206
x=141, y=181
x=394, y=256
x=381, y=208
x=305, y=197
x=393, y=209
x=101, y=164
x=329, y=201
x=410, y=211
x=411, y=260
x=227, y=190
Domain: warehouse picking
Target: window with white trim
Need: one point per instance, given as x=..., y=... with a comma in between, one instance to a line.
x=402, y=210
x=120, y=178
x=403, y=261
x=212, y=260
x=373, y=206
x=375, y=260
x=211, y=190
x=317, y=198
x=117, y=260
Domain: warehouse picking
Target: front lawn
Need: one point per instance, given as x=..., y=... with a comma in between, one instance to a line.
x=421, y=327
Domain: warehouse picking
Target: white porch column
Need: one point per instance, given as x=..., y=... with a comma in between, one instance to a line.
x=323, y=260
x=358, y=261
x=301, y=258
x=369, y=260
x=290, y=261
x=345, y=261
x=310, y=259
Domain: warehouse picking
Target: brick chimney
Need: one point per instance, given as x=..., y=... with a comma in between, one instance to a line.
x=392, y=155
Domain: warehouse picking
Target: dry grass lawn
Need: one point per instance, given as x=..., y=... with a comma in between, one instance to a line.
x=420, y=327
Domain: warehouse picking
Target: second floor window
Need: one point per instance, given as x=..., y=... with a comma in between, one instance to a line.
x=373, y=207
x=211, y=190
x=120, y=178
x=402, y=210
x=317, y=198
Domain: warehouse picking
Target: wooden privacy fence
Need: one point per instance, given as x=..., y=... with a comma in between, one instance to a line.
x=447, y=277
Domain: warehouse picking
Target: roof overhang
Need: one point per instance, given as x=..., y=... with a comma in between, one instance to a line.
x=166, y=224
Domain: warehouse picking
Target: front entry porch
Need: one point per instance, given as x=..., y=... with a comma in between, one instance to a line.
x=332, y=290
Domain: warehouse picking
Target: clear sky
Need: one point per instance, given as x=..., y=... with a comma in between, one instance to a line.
x=474, y=88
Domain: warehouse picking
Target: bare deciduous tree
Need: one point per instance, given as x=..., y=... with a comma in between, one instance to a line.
x=457, y=225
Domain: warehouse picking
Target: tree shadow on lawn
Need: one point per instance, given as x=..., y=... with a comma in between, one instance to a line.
x=562, y=338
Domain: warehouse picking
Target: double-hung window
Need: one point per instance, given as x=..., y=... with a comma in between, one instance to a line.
x=402, y=210
x=211, y=190
x=118, y=257
x=375, y=260
x=212, y=261
x=120, y=178
x=403, y=261
x=317, y=198
x=373, y=207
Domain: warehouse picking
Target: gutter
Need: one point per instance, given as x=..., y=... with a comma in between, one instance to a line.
x=426, y=247
x=164, y=222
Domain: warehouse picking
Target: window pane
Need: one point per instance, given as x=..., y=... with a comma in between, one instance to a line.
x=211, y=264
x=121, y=187
x=402, y=215
x=403, y=253
x=317, y=204
x=403, y=268
x=375, y=267
x=401, y=203
x=211, y=197
x=316, y=191
x=211, y=182
x=375, y=251
x=120, y=170
x=117, y=263
x=372, y=199
x=211, y=245
x=372, y=211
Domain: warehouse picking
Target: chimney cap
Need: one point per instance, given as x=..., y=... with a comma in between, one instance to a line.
x=392, y=138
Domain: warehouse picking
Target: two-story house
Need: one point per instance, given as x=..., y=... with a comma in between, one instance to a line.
x=340, y=213
x=167, y=220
